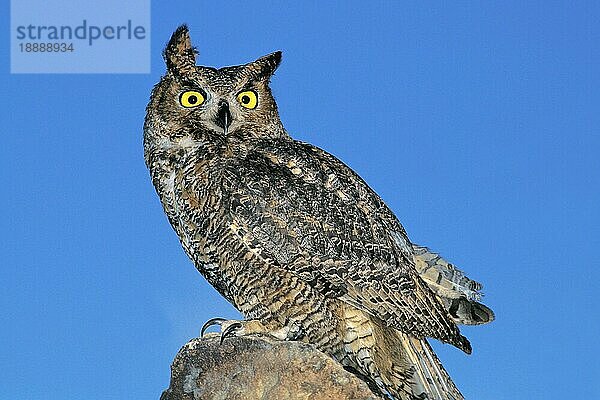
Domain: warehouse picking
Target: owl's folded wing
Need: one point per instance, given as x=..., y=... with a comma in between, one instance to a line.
x=300, y=206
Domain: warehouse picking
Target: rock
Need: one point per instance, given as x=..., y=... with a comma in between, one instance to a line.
x=259, y=367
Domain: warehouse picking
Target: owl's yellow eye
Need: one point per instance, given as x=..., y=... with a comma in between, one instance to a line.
x=191, y=99
x=248, y=99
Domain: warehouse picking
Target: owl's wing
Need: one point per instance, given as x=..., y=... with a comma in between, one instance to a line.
x=459, y=294
x=304, y=209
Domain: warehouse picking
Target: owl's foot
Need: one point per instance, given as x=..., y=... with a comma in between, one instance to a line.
x=234, y=327
x=211, y=322
x=241, y=328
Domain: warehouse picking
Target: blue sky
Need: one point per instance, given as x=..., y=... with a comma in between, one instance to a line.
x=477, y=123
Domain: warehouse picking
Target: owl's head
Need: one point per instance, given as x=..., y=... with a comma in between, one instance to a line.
x=207, y=104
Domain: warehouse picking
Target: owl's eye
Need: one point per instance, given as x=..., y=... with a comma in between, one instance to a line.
x=248, y=99
x=191, y=99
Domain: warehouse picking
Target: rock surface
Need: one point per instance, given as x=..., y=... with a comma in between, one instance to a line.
x=259, y=367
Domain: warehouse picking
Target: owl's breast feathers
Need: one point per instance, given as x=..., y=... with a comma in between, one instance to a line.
x=296, y=205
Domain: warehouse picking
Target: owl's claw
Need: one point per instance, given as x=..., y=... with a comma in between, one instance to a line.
x=241, y=328
x=211, y=322
x=229, y=330
x=232, y=327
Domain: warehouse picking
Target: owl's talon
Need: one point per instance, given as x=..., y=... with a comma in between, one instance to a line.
x=229, y=330
x=211, y=322
x=233, y=327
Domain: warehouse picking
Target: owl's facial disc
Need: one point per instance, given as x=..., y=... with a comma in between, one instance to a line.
x=234, y=102
x=223, y=117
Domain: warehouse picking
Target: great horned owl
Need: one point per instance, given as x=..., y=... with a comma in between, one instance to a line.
x=294, y=238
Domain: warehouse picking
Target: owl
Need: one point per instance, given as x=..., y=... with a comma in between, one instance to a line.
x=294, y=238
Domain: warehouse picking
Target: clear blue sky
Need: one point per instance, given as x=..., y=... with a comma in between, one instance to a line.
x=478, y=124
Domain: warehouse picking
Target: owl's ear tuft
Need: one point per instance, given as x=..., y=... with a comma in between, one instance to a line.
x=179, y=54
x=265, y=66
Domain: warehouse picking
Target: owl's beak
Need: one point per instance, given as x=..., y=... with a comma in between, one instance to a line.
x=223, y=116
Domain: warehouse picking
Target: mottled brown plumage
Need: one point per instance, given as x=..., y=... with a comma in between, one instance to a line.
x=290, y=235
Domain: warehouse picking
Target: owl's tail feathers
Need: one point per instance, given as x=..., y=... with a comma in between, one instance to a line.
x=467, y=312
x=429, y=369
x=410, y=370
x=459, y=294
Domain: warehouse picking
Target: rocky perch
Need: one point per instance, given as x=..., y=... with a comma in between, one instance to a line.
x=259, y=367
